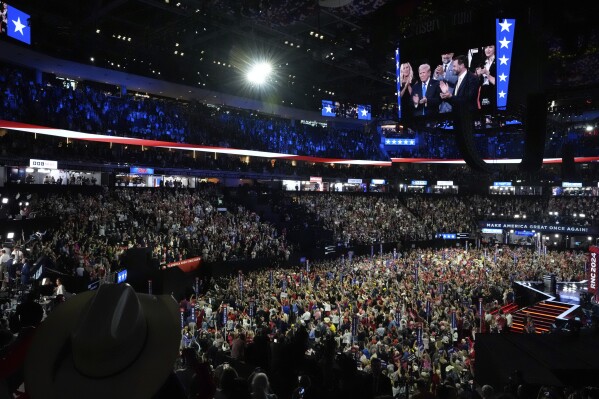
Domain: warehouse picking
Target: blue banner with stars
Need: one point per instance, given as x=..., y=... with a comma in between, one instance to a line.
x=398, y=82
x=505, y=42
x=398, y=141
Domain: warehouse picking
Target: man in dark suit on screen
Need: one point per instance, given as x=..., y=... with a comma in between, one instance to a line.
x=465, y=94
x=426, y=93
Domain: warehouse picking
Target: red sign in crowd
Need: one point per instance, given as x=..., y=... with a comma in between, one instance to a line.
x=187, y=265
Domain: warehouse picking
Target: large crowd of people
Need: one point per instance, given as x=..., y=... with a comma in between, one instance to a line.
x=374, y=325
x=90, y=109
x=361, y=220
x=177, y=224
x=379, y=326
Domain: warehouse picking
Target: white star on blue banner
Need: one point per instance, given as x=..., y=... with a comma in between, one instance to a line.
x=18, y=25
x=504, y=31
x=364, y=112
x=398, y=80
x=328, y=108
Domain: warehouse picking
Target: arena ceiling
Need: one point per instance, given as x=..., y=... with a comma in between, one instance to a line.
x=321, y=49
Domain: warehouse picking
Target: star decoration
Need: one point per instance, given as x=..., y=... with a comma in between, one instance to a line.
x=364, y=112
x=502, y=94
x=503, y=77
x=504, y=42
x=505, y=25
x=19, y=26
x=328, y=109
x=503, y=60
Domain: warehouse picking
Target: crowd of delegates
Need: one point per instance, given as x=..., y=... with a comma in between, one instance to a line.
x=94, y=229
x=177, y=224
x=90, y=109
x=574, y=210
x=361, y=327
x=441, y=214
x=360, y=219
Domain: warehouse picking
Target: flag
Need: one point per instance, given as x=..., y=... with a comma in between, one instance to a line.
x=328, y=108
x=419, y=339
x=454, y=321
x=364, y=112
x=504, y=36
x=354, y=326
x=18, y=25
x=398, y=82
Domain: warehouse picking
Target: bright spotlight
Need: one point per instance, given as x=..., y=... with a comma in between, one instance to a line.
x=259, y=73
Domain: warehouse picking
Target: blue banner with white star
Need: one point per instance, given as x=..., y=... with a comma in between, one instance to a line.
x=398, y=82
x=364, y=112
x=505, y=42
x=328, y=108
x=18, y=25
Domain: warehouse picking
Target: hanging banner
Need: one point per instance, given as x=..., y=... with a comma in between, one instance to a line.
x=592, y=271
x=187, y=265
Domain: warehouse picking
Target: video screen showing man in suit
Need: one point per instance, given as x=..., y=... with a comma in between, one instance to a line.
x=466, y=89
x=426, y=93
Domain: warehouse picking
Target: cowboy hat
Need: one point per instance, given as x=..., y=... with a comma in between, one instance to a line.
x=110, y=343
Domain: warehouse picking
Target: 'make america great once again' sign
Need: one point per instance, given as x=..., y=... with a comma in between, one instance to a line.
x=549, y=228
